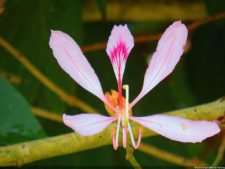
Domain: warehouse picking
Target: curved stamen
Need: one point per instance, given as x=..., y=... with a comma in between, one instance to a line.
x=132, y=137
x=124, y=137
x=139, y=137
x=113, y=139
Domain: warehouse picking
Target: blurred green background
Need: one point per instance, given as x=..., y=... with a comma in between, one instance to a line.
x=198, y=78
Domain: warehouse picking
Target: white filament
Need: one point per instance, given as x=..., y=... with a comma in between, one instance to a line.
x=131, y=135
x=124, y=137
x=117, y=131
x=126, y=87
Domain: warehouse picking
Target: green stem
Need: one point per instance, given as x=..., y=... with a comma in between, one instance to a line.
x=27, y=152
x=220, y=154
x=130, y=157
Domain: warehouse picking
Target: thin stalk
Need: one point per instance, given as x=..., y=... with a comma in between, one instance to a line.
x=170, y=157
x=220, y=154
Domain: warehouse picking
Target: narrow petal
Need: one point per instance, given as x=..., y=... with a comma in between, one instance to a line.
x=179, y=129
x=118, y=48
x=167, y=54
x=71, y=59
x=87, y=124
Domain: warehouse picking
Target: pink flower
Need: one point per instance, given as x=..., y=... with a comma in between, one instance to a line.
x=168, y=53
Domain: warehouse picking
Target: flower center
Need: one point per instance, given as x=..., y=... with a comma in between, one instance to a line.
x=114, y=99
x=122, y=113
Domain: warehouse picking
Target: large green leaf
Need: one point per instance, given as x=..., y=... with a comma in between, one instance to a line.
x=16, y=119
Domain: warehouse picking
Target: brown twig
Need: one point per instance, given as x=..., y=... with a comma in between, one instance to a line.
x=47, y=114
x=154, y=37
x=10, y=77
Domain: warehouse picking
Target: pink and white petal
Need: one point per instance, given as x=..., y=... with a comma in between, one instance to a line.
x=118, y=48
x=179, y=129
x=167, y=54
x=71, y=59
x=87, y=124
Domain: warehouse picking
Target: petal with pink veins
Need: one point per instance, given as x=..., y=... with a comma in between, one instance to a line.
x=87, y=124
x=163, y=61
x=179, y=129
x=71, y=59
x=118, y=48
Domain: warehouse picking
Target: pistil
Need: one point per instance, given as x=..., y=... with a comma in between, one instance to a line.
x=126, y=114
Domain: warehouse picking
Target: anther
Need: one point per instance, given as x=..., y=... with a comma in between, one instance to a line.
x=126, y=88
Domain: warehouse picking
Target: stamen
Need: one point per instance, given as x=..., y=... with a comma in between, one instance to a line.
x=132, y=137
x=117, y=131
x=126, y=88
x=124, y=137
x=113, y=139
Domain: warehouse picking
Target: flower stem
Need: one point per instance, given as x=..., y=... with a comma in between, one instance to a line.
x=220, y=154
x=130, y=157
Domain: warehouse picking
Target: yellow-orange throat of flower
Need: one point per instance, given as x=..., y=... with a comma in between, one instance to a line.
x=124, y=111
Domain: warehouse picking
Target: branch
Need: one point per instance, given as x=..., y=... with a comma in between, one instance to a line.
x=23, y=153
x=154, y=37
x=167, y=156
x=47, y=114
x=10, y=77
x=220, y=153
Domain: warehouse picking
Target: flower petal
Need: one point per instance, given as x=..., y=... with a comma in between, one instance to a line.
x=71, y=59
x=118, y=48
x=168, y=53
x=87, y=124
x=179, y=129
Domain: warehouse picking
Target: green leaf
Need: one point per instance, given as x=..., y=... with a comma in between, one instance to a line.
x=17, y=121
